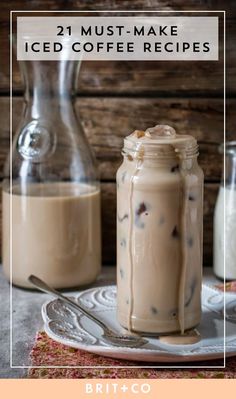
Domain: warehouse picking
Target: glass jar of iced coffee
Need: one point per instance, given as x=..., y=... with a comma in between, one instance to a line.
x=159, y=232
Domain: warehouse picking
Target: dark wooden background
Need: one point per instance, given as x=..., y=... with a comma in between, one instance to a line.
x=115, y=98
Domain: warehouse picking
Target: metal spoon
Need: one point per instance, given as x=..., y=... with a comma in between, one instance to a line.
x=108, y=334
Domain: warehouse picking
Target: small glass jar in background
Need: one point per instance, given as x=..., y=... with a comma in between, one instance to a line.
x=227, y=198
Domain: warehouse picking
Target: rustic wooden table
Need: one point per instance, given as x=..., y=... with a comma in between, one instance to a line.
x=26, y=321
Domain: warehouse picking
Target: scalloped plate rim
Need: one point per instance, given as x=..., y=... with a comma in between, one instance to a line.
x=130, y=354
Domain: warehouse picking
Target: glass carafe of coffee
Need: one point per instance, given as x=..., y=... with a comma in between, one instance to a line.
x=51, y=194
x=226, y=206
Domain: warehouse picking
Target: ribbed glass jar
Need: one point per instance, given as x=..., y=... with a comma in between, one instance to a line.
x=159, y=232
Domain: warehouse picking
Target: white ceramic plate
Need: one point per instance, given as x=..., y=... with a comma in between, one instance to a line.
x=73, y=329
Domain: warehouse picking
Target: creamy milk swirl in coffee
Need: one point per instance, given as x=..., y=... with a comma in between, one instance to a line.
x=159, y=232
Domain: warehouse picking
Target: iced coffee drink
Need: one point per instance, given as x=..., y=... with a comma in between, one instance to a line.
x=159, y=232
x=55, y=233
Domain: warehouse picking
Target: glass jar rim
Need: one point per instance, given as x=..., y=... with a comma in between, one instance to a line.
x=186, y=146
